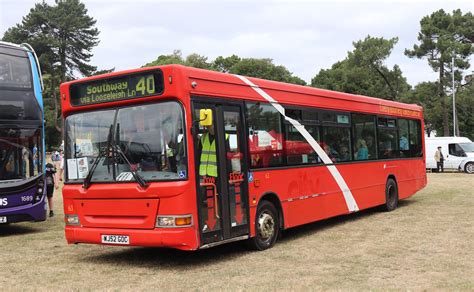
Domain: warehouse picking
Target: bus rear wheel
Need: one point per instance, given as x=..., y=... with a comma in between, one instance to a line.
x=391, y=195
x=469, y=167
x=267, y=227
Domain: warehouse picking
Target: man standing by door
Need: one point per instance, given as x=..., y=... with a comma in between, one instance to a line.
x=439, y=159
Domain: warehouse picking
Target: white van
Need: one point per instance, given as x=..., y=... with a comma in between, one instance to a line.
x=458, y=153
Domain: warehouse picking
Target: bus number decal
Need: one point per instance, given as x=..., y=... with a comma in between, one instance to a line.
x=146, y=86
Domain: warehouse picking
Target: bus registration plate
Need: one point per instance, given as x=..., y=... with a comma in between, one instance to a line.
x=115, y=239
x=3, y=219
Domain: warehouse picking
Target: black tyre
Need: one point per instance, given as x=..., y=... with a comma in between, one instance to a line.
x=267, y=227
x=469, y=167
x=391, y=195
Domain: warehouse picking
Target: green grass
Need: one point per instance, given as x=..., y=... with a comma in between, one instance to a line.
x=426, y=244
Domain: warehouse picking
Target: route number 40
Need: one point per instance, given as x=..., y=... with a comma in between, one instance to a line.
x=146, y=85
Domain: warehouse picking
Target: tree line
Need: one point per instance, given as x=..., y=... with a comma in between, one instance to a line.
x=64, y=35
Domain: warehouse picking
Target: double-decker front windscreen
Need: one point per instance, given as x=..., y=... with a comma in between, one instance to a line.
x=117, y=88
x=15, y=72
x=151, y=137
x=20, y=153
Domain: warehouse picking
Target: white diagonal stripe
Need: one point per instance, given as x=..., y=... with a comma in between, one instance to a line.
x=349, y=198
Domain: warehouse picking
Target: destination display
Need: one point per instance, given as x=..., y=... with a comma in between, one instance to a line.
x=117, y=88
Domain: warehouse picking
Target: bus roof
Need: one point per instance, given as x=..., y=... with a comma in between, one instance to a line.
x=294, y=88
x=293, y=94
x=12, y=46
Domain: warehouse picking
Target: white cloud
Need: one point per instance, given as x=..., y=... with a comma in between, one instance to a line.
x=304, y=36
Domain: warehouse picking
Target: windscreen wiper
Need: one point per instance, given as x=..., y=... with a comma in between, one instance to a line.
x=102, y=153
x=135, y=174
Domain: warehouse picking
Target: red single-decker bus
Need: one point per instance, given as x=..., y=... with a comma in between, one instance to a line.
x=187, y=158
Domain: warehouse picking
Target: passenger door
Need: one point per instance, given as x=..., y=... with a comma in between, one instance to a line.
x=223, y=198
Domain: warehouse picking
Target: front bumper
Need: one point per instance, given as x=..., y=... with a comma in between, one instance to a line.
x=29, y=212
x=179, y=238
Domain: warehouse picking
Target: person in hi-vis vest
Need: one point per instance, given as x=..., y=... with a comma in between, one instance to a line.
x=208, y=154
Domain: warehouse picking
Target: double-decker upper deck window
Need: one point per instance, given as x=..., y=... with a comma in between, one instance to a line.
x=14, y=72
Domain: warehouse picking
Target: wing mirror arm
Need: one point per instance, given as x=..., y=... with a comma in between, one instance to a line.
x=205, y=119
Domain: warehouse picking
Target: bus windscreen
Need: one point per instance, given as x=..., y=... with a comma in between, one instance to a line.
x=117, y=88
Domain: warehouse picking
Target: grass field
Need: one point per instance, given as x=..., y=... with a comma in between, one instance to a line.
x=427, y=243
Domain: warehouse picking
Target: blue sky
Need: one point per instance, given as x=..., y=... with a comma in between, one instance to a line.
x=304, y=36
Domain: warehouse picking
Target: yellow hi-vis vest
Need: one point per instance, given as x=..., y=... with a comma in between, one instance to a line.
x=208, y=164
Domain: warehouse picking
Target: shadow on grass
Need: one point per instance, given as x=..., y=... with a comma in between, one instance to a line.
x=318, y=226
x=163, y=258
x=13, y=229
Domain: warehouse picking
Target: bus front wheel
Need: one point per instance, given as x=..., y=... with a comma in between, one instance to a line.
x=267, y=226
x=391, y=195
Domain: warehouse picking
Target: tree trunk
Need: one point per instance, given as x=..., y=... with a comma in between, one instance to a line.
x=62, y=77
x=56, y=106
x=442, y=99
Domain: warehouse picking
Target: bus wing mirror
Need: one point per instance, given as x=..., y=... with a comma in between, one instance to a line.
x=205, y=117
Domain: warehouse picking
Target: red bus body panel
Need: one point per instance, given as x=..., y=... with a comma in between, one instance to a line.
x=306, y=194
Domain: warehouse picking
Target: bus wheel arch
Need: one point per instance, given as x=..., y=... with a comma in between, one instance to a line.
x=391, y=193
x=268, y=222
x=275, y=200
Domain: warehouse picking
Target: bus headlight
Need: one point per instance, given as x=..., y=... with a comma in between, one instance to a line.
x=174, y=221
x=71, y=219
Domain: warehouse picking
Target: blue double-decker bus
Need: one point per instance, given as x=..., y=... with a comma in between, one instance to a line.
x=22, y=192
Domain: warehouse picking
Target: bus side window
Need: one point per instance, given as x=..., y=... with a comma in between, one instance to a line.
x=415, y=139
x=265, y=135
x=363, y=131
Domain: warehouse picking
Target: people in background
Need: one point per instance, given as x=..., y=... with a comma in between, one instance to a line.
x=35, y=156
x=344, y=154
x=403, y=142
x=369, y=139
x=61, y=166
x=362, y=150
x=439, y=159
x=56, y=158
x=51, y=184
x=25, y=159
x=329, y=151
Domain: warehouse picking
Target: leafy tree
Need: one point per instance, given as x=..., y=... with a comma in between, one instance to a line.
x=103, y=71
x=63, y=36
x=175, y=58
x=197, y=61
x=465, y=108
x=264, y=68
x=363, y=71
x=222, y=64
x=260, y=68
x=425, y=95
x=442, y=36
